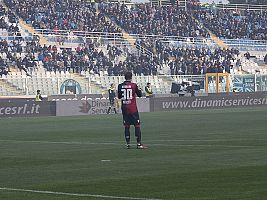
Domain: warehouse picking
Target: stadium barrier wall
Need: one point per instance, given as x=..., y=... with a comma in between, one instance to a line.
x=236, y=100
x=19, y=98
x=69, y=97
x=27, y=109
x=93, y=107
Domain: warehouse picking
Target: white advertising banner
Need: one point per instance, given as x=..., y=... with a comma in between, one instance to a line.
x=93, y=107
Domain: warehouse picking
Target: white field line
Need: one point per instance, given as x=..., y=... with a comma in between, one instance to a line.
x=59, y=142
x=73, y=194
x=119, y=143
x=209, y=140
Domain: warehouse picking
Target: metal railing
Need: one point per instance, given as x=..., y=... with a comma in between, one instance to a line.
x=161, y=84
x=247, y=44
x=14, y=36
x=242, y=7
x=72, y=33
x=78, y=37
x=144, y=50
x=176, y=41
x=48, y=85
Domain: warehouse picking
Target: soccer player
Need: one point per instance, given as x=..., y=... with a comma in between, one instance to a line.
x=148, y=90
x=112, y=96
x=127, y=92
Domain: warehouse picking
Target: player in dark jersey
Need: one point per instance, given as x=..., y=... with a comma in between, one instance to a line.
x=112, y=96
x=127, y=92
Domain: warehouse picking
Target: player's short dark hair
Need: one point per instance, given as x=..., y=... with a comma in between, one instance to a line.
x=128, y=75
x=38, y=91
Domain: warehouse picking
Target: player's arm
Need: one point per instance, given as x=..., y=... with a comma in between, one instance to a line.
x=138, y=91
x=119, y=92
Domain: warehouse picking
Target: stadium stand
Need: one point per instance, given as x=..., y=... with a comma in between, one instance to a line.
x=61, y=15
x=154, y=20
x=231, y=24
x=95, y=44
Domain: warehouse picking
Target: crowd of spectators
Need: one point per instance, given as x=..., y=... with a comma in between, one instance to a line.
x=139, y=64
x=8, y=22
x=142, y=19
x=11, y=54
x=94, y=59
x=149, y=19
x=58, y=15
x=3, y=64
x=29, y=55
x=197, y=61
x=3, y=71
x=145, y=19
x=87, y=57
x=233, y=24
x=192, y=60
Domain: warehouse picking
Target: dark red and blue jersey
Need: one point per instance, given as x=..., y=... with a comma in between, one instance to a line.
x=127, y=92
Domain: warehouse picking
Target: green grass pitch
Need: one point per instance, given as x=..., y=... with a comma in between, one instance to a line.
x=198, y=155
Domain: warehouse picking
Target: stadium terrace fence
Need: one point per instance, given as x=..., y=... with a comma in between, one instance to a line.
x=15, y=36
x=72, y=36
x=246, y=44
x=242, y=7
x=161, y=84
x=78, y=37
x=180, y=3
x=117, y=38
x=177, y=40
x=143, y=50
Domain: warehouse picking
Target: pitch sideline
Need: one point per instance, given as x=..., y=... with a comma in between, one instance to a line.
x=119, y=143
x=73, y=194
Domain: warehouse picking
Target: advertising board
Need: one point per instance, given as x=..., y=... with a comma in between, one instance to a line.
x=245, y=83
x=70, y=97
x=27, y=109
x=93, y=107
x=209, y=102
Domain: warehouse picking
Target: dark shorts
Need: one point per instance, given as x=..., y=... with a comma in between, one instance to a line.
x=131, y=119
x=112, y=102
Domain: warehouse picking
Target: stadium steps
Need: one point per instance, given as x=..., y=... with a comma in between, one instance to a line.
x=129, y=38
x=9, y=88
x=125, y=35
x=83, y=80
x=30, y=29
x=217, y=40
